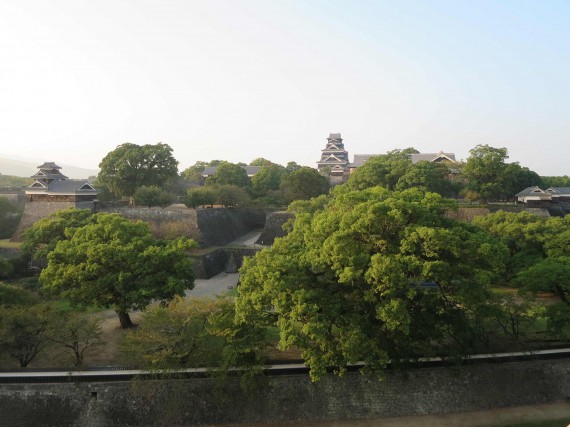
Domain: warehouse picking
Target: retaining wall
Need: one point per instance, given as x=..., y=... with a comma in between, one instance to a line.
x=210, y=227
x=274, y=227
x=34, y=211
x=228, y=260
x=285, y=398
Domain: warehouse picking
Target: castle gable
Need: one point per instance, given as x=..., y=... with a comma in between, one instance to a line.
x=51, y=185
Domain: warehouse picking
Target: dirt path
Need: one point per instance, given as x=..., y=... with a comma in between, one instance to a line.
x=491, y=418
x=108, y=354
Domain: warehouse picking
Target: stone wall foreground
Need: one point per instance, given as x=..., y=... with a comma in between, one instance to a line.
x=282, y=398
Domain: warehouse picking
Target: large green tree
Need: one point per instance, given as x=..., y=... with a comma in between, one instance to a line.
x=428, y=176
x=555, y=181
x=384, y=170
x=131, y=166
x=114, y=262
x=539, y=258
x=260, y=161
x=231, y=196
x=194, y=173
x=200, y=196
x=267, y=179
x=151, y=195
x=303, y=183
x=370, y=276
x=486, y=172
x=229, y=174
x=523, y=233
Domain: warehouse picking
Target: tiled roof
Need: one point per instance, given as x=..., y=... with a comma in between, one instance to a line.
x=531, y=190
x=558, y=190
x=70, y=186
x=430, y=157
x=360, y=159
x=49, y=165
x=65, y=186
x=334, y=136
x=41, y=175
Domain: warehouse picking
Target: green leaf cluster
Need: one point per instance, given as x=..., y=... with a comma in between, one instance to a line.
x=113, y=262
x=229, y=174
x=42, y=237
x=151, y=195
x=350, y=282
x=539, y=256
x=194, y=332
x=132, y=166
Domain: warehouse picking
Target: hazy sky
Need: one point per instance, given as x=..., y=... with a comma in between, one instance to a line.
x=236, y=80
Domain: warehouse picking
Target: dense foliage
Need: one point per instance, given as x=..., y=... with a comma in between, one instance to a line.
x=489, y=177
x=113, y=262
x=131, y=166
x=302, y=184
x=372, y=275
x=539, y=258
x=384, y=170
x=200, y=196
x=151, y=195
x=229, y=174
x=42, y=237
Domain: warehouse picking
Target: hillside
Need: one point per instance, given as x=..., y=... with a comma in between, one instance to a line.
x=26, y=169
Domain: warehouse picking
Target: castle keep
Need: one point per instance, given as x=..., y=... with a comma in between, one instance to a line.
x=50, y=185
x=334, y=160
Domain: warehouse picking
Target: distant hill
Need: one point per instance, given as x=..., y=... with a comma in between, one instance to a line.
x=27, y=169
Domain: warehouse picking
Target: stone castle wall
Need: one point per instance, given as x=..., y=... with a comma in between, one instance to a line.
x=37, y=210
x=274, y=227
x=285, y=398
x=211, y=227
x=228, y=260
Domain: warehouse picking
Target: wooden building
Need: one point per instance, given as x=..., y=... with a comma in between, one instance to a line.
x=50, y=185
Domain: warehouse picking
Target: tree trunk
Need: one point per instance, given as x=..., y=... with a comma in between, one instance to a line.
x=125, y=319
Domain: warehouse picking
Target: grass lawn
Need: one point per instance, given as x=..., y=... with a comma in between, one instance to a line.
x=65, y=305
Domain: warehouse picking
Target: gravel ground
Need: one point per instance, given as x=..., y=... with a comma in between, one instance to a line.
x=526, y=415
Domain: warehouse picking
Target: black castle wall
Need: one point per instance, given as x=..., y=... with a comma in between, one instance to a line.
x=285, y=398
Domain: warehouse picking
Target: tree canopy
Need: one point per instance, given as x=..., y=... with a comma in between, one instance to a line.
x=200, y=196
x=260, y=161
x=194, y=172
x=231, y=196
x=131, y=166
x=384, y=170
x=303, y=183
x=267, y=179
x=428, y=176
x=229, y=174
x=539, y=258
x=42, y=237
x=150, y=196
x=113, y=262
x=489, y=177
x=369, y=276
